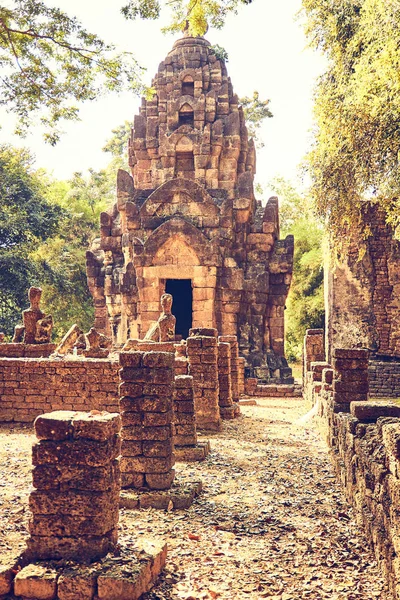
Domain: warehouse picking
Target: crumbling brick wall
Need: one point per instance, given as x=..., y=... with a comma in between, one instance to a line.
x=32, y=386
x=363, y=287
x=366, y=456
x=364, y=439
x=384, y=379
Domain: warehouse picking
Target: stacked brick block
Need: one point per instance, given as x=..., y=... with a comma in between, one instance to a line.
x=350, y=382
x=146, y=406
x=271, y=390
x=184, y=413
x=233, y=342
x=76, y=476
x=241, y=377
x=313, y=381
x=202, y=350
x=226, y=408
x=313, y=349
x=181, y=361
x=366, y=455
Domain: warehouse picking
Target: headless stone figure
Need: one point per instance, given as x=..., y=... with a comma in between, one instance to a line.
x=32, y=315
x=164, y=329
x=92, y=344
x=37, y=326
x=44, y=327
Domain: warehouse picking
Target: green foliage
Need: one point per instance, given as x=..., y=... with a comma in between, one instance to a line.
x=192, y=15
x=255, y=111
x=357, y=139
x=46, y=228
x=305, y=305
x=26, y=220
x=49, y=63
x=117, y=144
x=220, y=52
x=65, y=293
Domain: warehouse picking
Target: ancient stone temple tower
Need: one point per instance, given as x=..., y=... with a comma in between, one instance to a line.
x=186, y=220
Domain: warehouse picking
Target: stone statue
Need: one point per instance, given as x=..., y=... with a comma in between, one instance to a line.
x=32, y=315
x=67, y=343
x=93, y=344
x=37, y=326
x=44, y=327
x=18, y=334
x=164, y=329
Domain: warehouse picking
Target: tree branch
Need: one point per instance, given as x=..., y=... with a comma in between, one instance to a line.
x=36, y=35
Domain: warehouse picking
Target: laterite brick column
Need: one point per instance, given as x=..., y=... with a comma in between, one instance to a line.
x=184, y=414
x=233, y=341
x=146, y=405
x=226, y=407
x=202, y=353
x=75, y=505
x=350, y=382
x=242, y=364
x=313, y=349
x=181, y=360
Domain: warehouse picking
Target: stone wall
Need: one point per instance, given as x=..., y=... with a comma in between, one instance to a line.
x=366, y=455
x=364, y=440
x=30, y=387
x=33, y=386
x=384, y=379
x=363, y=290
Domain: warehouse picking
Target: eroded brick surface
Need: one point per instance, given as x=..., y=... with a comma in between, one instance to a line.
x=146, y=404
x=202, y=350
x=75, y=506
x=31, y=387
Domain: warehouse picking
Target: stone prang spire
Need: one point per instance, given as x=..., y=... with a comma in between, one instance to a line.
x=186, y=220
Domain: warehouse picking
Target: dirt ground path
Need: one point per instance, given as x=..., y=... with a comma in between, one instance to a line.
x=270, y=523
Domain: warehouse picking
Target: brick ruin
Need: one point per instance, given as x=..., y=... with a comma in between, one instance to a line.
x=72, y=550
x=364, y=440
x=186, y=221
x=76, y=476
x=146, y=407
x=362, y=300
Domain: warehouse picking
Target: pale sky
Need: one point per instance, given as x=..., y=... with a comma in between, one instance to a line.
x=267, y=52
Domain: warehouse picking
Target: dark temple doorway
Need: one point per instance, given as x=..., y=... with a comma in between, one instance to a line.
x=182, y=293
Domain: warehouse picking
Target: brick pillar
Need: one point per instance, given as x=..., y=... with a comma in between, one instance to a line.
x=350, y=381
x=233, y=341
x=181, y=360
x=203, y=366
x=313, y=385
x=147, y=390
x=313, y=349
x=184, y=414
x=75, y=505
x=226, y=408
x=242, y=364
